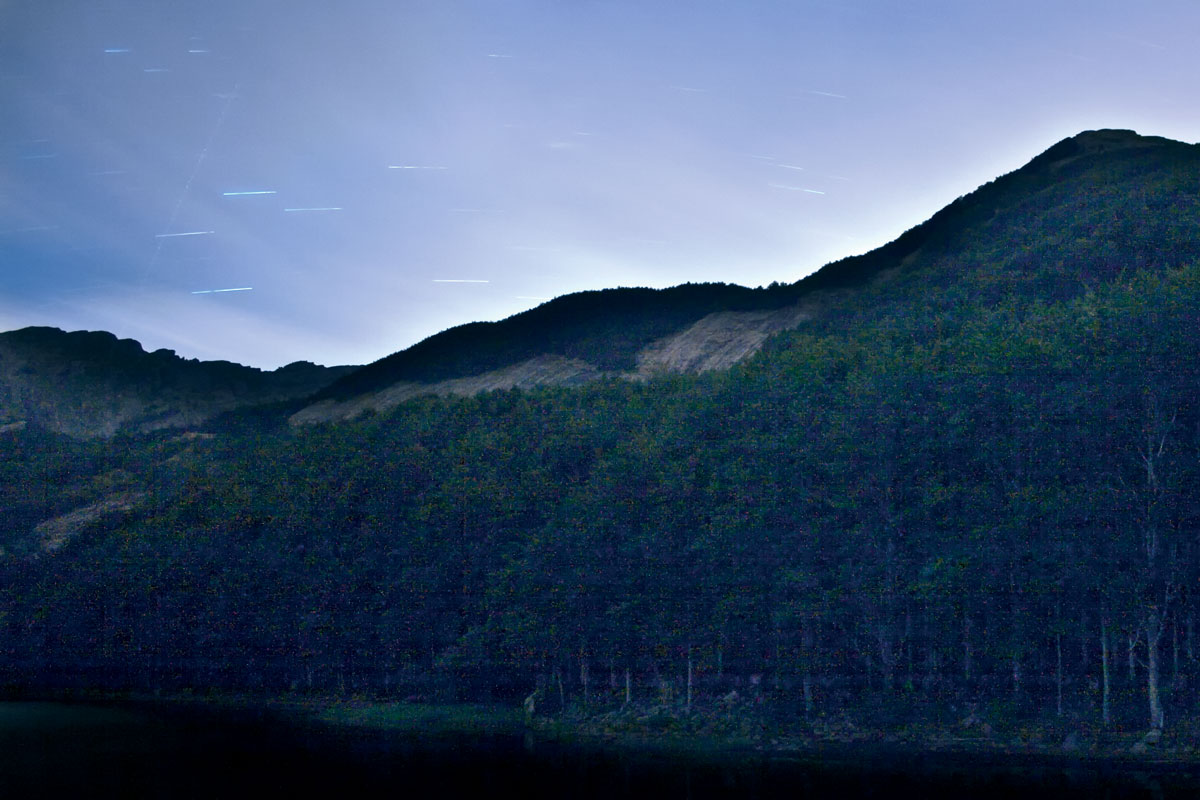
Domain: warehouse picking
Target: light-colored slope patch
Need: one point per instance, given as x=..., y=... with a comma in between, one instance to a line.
x=54, y=533
x=539, y=371
x=717, y=341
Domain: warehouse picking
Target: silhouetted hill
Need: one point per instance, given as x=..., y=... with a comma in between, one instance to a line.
x=90, y=383
x=606, y=329
x=1124, y=200
x=1089, y=172
x=957, y=492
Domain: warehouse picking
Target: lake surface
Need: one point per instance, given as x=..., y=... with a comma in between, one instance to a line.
x=62, y=750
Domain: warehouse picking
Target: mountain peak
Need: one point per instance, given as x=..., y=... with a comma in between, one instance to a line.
x=1104, y=140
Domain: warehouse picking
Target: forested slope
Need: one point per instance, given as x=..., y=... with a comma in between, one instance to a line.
x=974, y=479
x=90, y=383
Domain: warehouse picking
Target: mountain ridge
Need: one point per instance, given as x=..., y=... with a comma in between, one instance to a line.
x=634, y=332
x=947, y=490
x=91, y=383
x=1060, y=164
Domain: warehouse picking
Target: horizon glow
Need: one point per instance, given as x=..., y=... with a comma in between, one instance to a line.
x=546, y=148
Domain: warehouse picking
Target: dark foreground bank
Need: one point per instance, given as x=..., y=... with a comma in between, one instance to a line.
x=232, y=747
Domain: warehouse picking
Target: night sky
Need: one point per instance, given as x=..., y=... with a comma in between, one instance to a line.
x=365, y=174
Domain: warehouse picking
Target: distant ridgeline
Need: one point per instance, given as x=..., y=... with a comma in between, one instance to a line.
x=90, y=383
x=969, y=478
x=606, y=329
x=1072, y=188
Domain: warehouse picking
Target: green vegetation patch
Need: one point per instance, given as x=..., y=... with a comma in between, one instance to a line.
x=423, y=719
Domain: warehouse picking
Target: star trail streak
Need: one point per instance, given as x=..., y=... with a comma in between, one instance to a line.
x=567, y=146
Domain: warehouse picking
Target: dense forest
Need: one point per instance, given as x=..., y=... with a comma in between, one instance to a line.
x=973, y=479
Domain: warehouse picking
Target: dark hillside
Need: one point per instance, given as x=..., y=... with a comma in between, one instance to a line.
x=605, y=328
x=1070, y=211
x=90, y=383
x=1080, y=183
x=964, y=499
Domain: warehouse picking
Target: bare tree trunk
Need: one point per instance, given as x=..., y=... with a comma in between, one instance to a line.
x=1174, y=654
x=628, y=687
x=1133, y=641
x=1058, y=672
x=1153, y=633
x=562, y=695
x=931, y=656
x=1084, y=641
x=689, y=679
x=908, y=646
x=886, y=658
x=807, y=639
x=966, y=649
x=1105, y=704
x=583, y=675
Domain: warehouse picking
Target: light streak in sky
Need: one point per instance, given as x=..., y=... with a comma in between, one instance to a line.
x=187, y=186
x=197, y=51
x=156, y=69
x=498, y=55
x=793, y=188
x=457, y=280
x=117, y=50
x=218, y=291
x=28, y=230
x=328, y=208
x=411, y=166
x=827, y=94
x=242, y=194
x=187, y=233
x=791, y=166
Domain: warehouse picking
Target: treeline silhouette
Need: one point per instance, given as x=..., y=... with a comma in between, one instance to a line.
x=973, y=480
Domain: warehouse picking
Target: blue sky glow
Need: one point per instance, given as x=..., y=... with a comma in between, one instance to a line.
x=538, y=147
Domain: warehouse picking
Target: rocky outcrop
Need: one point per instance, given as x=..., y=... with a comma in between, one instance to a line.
x=717, y=341
x=539, y=371
x=54, y=533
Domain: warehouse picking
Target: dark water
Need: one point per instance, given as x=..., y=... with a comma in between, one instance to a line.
x=58, y=750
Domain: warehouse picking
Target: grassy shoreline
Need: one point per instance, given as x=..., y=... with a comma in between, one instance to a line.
x=703, y=734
